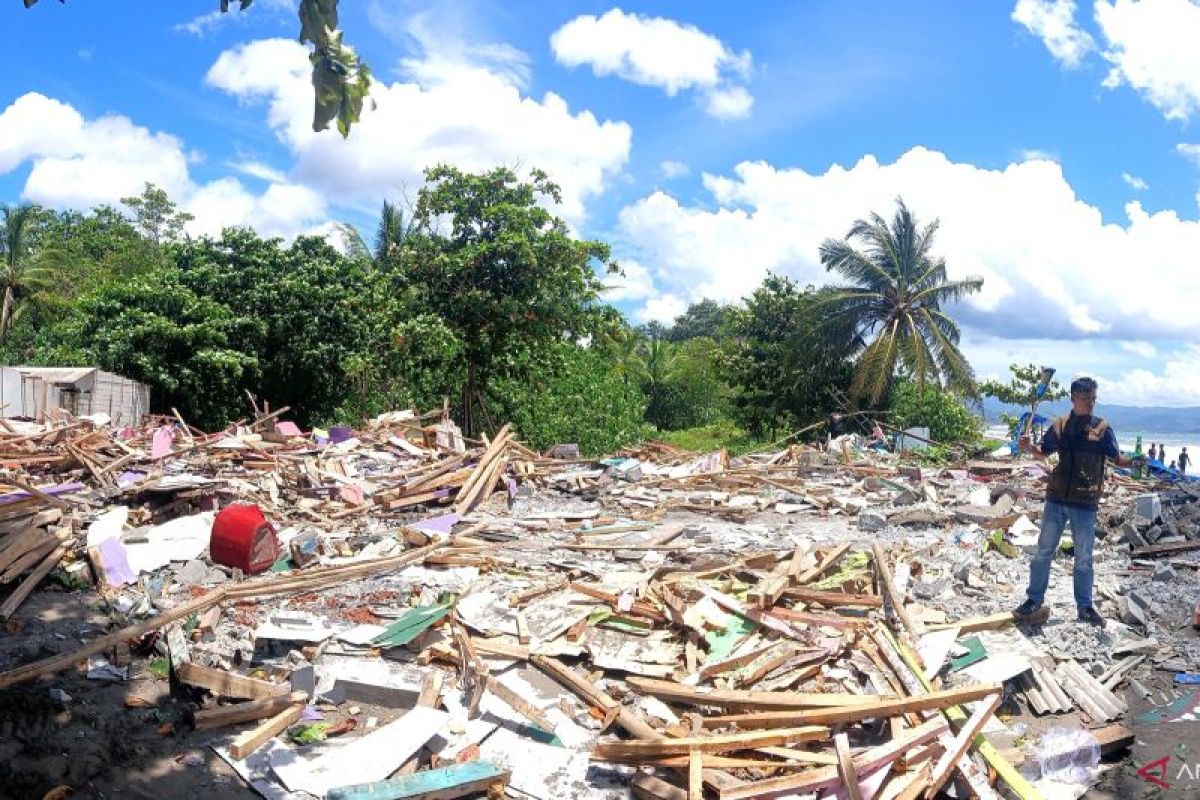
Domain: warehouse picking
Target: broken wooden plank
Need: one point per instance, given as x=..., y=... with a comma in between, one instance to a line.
x=719, y=743
x=962, y=742
x=246, y=712
x=1164, y=549
x=889, y=588
x=829, y=778
x=825, y=563
x=430, y=697
x=846, y=769
x=246, y=743
x=1113, y=739
x=874, y=709
x=697, y=696
x=648, y=787
x=228, y=684
x=31, y=580
x=835, y=599
x=696, y=775
x=1007, y=772
x=976, y=624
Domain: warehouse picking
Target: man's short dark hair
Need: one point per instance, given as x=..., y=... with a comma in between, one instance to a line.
x=1083, y=386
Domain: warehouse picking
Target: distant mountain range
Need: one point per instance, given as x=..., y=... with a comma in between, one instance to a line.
x=1126, y=420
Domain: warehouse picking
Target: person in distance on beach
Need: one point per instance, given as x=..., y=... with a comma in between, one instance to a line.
x=1083, y=443
x=1185, y=461
x=1153, y=454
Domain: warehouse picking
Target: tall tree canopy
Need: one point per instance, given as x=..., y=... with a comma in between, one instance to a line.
x=504, y=274
x=894, y=302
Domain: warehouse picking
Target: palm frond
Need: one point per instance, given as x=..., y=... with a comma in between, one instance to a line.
x=352, y=241
x=948, y=291
x=842, y=257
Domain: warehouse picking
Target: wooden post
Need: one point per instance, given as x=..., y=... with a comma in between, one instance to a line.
x=846, y=767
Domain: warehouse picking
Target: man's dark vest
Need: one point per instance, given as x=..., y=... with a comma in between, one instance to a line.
x=1079, y=475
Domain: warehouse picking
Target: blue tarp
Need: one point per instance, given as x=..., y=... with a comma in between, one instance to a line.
x=1038, y=419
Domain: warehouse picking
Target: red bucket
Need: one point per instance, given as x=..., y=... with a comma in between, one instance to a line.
x=242, y=538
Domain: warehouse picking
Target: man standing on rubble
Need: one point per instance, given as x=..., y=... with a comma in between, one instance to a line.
x=1083, y=442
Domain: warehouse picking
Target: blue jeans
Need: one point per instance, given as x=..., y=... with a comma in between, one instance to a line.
x=1055, y=517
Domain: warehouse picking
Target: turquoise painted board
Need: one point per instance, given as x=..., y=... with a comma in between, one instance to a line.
x=445, y=783
x=414, y=622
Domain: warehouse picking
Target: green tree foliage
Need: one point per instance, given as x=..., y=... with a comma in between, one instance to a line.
x=693, y=392
x=580, y=400
x=340, y=80
x=707, y=318
x=156, y=216
x=788, y=373
x=895, y=303
x=155, y=328
x=503, y=273
x=927, y=406
x=315, y=307
x=1022, y=389
x=25, y=269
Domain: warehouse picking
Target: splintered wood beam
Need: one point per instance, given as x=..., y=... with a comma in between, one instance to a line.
x=228, y=684
x=976, y=624
x=835, y=599
x=875, y=709
x=962, y=742
x=720, y=743
x=648, y=787
x=669, y=690
x=830, y=778
x=696, y=775
x=825, y=563
x=846, y=768
x=246, y=743
x=889, y=588
x=246, y=712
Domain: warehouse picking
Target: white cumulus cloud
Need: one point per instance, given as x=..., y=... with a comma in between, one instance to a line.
x=1134, y=182
x=206, y=23
x=1189, y=151
x=1176, y=385
x=1053, y=21
x=674, y=169
x=79, y=163
x=452, y=111
x=1052, y=266
x=1143, y=349
x=660, y=52
x=1152, y=48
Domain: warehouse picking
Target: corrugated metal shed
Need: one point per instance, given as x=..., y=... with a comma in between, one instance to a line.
x=58, y=375
x=37, y=392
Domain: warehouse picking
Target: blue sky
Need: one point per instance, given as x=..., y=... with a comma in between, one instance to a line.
x=708, y=142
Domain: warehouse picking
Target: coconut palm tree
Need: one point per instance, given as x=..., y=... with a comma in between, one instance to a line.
x=390, y=234
x=895, y=304
x=24, y=270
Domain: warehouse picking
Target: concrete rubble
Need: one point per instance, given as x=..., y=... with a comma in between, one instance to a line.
x=447, y=618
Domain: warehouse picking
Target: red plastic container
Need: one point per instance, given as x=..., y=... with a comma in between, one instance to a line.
x=242, y=538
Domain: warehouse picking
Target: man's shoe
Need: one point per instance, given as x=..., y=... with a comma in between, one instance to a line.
x=1091, y=616
x=1027, y=609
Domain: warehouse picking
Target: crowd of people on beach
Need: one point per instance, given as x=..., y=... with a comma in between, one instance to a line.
x=1158, y=453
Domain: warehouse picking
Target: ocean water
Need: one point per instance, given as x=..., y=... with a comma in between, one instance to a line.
x=1173, y=442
